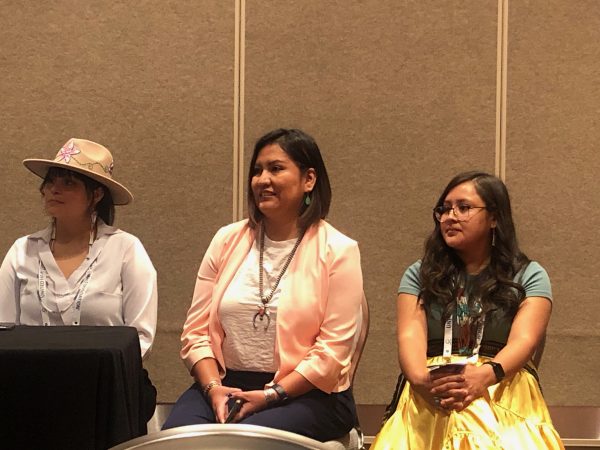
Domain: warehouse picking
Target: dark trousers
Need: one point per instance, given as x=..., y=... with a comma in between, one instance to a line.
x=148, y=398
x=315, y=414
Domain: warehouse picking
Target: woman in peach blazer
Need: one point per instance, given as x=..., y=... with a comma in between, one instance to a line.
x=276, y=306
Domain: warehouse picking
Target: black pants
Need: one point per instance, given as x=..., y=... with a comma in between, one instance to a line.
x=148, y=402
x=315, y=414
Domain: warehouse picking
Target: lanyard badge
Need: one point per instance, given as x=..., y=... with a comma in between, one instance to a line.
x=470, y=321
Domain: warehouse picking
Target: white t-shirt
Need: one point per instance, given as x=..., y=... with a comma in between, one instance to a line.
x=246, y=347
x=121, y=289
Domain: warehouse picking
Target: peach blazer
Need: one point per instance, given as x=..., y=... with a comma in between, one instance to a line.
x=317, y=320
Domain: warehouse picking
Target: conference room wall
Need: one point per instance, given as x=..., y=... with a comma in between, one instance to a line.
x=153, y=81
x=552, y=171
x=399, y=95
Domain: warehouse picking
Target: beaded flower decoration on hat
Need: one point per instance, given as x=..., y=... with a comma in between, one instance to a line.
x=88, y=158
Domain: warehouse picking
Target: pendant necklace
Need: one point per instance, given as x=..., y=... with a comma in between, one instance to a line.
x=263, y=308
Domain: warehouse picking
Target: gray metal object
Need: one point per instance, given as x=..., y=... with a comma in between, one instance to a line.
x=221, y=437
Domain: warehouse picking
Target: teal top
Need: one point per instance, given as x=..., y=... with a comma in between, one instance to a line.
x=533, y=278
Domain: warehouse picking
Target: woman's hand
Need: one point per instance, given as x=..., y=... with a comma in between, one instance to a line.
x=456, y=392
x=218, y=397
x=447, y=389
x=254, y=401
x=443, y=398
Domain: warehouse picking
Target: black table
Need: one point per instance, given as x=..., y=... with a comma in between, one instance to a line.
x=70, y=387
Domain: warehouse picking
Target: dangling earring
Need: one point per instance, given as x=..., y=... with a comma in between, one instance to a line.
x=307, y=199
x=94, y=217
x=494, y=237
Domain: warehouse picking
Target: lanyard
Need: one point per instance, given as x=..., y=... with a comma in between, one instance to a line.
x=448, y=328
x=43, y=284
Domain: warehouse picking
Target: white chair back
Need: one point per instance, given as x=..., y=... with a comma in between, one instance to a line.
x=221, y=437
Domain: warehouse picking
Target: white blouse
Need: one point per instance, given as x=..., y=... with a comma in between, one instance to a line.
x=121, y=289
x=246, y=347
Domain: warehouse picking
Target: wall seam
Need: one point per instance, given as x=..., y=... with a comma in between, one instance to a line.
x=238, y=111
x=501, y=89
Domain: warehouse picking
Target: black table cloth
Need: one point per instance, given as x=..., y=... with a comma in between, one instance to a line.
x=70, y=387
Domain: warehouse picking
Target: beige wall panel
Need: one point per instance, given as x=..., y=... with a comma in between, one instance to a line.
x=400, y=96
x=569, y=369
x=153, y=81
x=552, y=172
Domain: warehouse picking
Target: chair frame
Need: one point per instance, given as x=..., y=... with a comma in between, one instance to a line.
x=191, y=436
x=358, y=351
x=362, y=339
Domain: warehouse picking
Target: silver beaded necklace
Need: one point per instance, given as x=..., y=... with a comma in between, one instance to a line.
x=263, y=308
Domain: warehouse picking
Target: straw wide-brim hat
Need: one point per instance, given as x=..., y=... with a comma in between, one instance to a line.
x=88, y=158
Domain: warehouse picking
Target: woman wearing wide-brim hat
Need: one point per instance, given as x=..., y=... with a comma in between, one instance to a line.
x=80, y=270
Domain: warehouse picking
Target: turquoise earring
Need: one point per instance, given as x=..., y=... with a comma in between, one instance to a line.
x=307, y=199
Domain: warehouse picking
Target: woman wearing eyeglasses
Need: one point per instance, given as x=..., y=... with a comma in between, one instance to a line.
x=470, y=316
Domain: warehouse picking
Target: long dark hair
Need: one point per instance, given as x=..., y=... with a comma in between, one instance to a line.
x=105, y=208
x=441, y=267
x=304, y=151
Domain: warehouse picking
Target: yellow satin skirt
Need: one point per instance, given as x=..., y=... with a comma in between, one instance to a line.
x=512, y=416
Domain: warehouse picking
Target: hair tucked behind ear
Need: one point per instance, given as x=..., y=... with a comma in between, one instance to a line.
x=304, y=151
x=441, y=267
x=105, y=208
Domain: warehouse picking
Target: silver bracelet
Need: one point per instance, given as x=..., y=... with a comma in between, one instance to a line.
x=271, y=396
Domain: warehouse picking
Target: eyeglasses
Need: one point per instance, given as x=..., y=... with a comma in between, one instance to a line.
x=462, y=211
